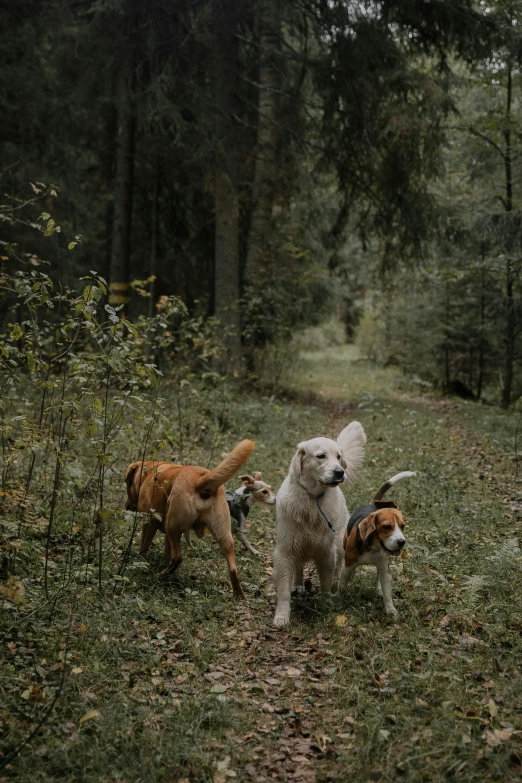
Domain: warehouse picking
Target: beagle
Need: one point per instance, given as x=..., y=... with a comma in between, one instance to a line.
x=374, y=534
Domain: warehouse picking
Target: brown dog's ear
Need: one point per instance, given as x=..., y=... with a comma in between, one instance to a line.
x=248, y=481
x=367, y=526
x=257, y=475
x=296, y=466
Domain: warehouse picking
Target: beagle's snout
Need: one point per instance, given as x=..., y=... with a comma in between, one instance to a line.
x=401, y=542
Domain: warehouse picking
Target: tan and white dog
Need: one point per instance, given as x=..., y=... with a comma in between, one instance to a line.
x=375, y=533
x=311, y=513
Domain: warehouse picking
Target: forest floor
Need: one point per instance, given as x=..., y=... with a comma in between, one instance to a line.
x=171, y=679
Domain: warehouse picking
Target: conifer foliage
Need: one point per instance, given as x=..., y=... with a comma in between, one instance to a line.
x=265, y=161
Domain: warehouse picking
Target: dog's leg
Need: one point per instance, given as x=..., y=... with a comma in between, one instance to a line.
x=225, y=542
x=148, y=531
x=325, y=567
x=386, y=585
x=283, y=573
x=339, y=561
x=299, y=579
x=172, y=547
x=347, y=575
x=239, y=533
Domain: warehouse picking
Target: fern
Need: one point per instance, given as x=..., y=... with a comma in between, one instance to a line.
x=506, y=552
x=472, y=587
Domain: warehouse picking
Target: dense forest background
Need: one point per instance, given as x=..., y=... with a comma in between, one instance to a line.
x=274, y=165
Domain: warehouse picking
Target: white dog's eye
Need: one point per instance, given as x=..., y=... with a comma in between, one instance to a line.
x=320, y=456
x=338, y=456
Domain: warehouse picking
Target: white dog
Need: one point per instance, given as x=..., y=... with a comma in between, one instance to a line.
x=312, y=515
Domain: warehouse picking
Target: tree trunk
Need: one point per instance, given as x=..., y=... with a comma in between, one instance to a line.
x=153, y=244
x=268, y=129
x=447, y=379
x=510, y=312
x=226, y=275
x=124, y=175
x=480, y=379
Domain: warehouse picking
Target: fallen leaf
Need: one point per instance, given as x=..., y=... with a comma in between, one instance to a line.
x=224, y=769
x=493, y=709
x=468, y=641
x=219, y=688
x=341, y=620
x=77, y=670
x=496, y=736
x=34, y=693
x=89, y=715
x=291, y=672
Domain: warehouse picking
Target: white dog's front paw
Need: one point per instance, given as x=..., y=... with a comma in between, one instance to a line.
x=390, y=609
x=281, y=620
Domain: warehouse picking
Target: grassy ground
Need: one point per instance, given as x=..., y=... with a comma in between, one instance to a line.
x=173, y=680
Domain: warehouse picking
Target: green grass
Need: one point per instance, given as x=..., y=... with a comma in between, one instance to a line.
x=188, y=684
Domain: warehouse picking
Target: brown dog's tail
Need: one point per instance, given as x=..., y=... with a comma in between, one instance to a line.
x=388, y=484
x=226, y=469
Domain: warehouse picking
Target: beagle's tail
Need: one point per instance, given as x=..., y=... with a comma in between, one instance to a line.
x=226, y=469
x=388, y=484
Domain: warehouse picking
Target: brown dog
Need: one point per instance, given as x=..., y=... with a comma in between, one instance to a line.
x=182, y=498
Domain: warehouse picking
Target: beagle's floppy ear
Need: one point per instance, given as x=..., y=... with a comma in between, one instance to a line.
x=367, y=526
x=248, y=481
x=257, y=475
x=296, y=466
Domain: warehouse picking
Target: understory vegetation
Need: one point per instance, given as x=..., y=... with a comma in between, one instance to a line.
x=132, y=676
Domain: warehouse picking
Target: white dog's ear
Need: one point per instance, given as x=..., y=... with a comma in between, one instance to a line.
x=296, y=466
x=352, y=441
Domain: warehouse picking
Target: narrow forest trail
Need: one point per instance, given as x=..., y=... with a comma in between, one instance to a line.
x=179, y=682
